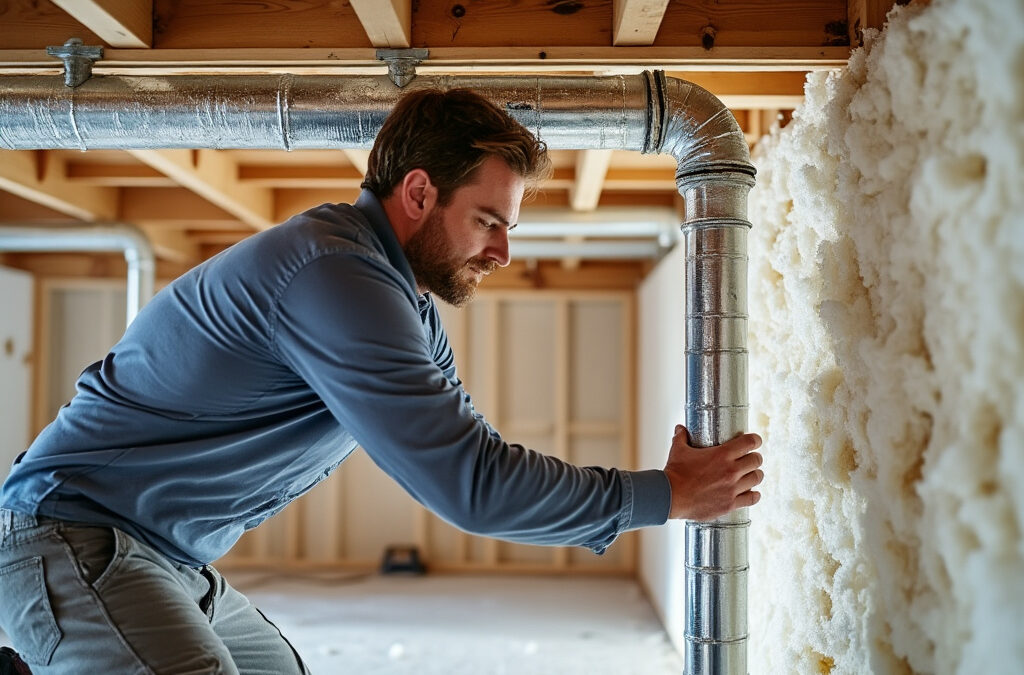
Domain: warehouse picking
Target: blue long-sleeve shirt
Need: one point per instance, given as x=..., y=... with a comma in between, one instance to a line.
x=249, y=379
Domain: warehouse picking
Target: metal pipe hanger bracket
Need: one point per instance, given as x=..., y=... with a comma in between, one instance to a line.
x=78, y=60
x=402, y=63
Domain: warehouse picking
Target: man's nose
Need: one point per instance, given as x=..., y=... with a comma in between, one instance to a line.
x=497, y=249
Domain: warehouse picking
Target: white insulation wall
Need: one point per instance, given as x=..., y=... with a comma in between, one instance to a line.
x=887, y=356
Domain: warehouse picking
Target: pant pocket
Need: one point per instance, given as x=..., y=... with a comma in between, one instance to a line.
x=95, y=550
x=25, y=612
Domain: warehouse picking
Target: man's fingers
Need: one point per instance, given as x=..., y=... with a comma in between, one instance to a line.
x=748, y=462
x=741, y=445
x=749, y=481
x=744, y=499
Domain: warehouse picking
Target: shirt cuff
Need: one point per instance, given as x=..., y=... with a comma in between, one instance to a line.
x=651, y=496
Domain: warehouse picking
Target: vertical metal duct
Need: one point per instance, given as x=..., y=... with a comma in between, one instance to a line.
x=128, y=239
x=646, y=113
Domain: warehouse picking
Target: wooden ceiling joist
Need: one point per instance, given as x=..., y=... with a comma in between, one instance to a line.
x=214, y=176
x=121, y=23
x=636, y=22
x=119, y=175
x=591, y=167
x=39, y=177
x=173, y=244
x=358, y=159
x=174, y=207
x=388, y=23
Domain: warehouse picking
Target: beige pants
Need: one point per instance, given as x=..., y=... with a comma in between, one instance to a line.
x=84, y=599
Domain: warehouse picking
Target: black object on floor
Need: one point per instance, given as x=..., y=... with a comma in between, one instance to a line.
x=11, y=663
x=402, y=559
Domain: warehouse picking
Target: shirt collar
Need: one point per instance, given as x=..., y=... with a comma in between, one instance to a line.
x=370, y=206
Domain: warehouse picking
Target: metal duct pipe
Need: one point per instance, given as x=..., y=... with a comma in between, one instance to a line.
x=130, y=240
x=646, y=113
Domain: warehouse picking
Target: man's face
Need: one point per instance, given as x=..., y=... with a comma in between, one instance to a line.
x=459, y=244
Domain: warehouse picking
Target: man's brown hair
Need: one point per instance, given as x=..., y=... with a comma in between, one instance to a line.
x=449, y=134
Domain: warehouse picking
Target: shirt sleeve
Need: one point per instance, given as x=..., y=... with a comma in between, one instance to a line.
x=348, y=325
x=444, y=357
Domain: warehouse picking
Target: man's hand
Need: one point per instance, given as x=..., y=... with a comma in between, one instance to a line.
x=709, y=482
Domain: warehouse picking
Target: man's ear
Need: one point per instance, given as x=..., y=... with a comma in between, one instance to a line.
x=418, y=195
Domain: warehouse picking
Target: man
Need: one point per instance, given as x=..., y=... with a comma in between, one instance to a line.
x=249, y=379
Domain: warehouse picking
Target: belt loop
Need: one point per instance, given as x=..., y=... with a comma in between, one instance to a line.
x=8, y=522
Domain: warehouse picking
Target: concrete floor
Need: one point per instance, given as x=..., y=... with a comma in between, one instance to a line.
x=464, y=625
x=472, y=625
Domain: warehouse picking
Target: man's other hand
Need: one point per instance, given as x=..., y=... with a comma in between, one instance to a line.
x=709, y=482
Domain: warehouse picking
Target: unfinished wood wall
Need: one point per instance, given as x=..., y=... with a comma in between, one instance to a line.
x=552, y=370
x=16, y=355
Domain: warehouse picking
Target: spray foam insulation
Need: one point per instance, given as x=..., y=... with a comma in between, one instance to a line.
x=887, y=356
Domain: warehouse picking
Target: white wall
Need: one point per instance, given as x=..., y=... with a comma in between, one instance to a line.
x=16, y=302
x=661, y=402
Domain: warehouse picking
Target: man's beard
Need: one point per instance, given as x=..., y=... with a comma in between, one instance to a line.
x=429, y=254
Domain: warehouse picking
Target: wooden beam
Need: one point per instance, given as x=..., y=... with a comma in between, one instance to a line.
x=289, y=202
x=121, y=23
x=388, y=23
x=173, y=207
x=214, y=176
x=591, y=167
x=639, y=179
x=38, y=176
x=93, y=265
x=443, y=60
x=116, y=175
x=20, y=211
x=228, y=237
x=636, y=22
x=863, y=14
x=591, y=274
x=300, y=176
x=751, y=90
x=358, y=159
x=172, y=244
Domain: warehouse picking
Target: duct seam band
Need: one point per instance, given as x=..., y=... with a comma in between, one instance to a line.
x=717, y=571
x=718, y=315
x=711, y=641
x=700, y=525
x=727, y=256
x=702, y=352
x=74, y=122
x=283, y=112
x=715, y=223
x=716, y=407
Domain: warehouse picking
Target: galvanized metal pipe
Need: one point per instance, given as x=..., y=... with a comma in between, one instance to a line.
x=646, y=113
x=122, y=237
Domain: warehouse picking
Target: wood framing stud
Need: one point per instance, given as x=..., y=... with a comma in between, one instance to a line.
x=636, y=22
x=388, y=23
x=121, y=23
x=864, y=14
